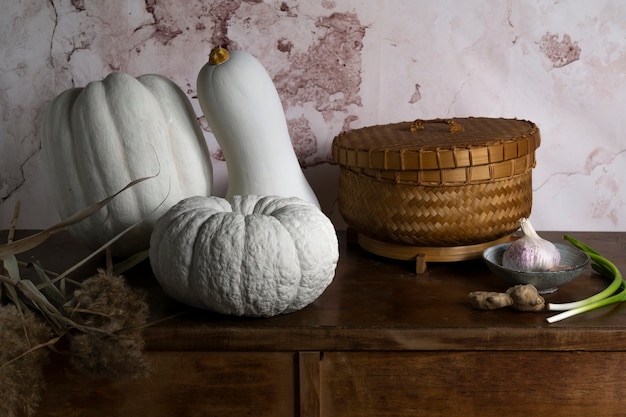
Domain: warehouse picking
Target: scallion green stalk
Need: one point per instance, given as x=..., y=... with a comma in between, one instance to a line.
x=605, y=297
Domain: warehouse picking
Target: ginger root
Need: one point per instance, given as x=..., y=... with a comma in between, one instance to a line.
x=485, y=300
x=520, y=297
x=526, y=298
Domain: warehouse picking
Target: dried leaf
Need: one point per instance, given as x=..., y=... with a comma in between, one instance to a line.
x=12, y=293
x=49, y=343
x=47, y=287
x=93, y=254
x=16, y=213
x=12, y=268
x=36, y=239
x=123, y=266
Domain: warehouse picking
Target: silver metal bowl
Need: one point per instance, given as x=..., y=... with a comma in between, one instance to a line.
x=573, y=259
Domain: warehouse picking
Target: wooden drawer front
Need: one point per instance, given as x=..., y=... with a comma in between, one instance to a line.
x=484, y=384
x=182, y=384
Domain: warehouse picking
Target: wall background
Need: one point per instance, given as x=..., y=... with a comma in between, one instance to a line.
x=346, y=64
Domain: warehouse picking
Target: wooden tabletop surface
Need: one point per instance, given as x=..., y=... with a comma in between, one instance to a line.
x=381, y=304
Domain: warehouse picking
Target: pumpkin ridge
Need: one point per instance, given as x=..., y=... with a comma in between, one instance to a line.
x=174, y=106
x=167, y=255
x=67, y=148
x=218, y=279
x=191, y=279
x=94, y=183
x=110, y=133
x=124, y=147
x=270, y=275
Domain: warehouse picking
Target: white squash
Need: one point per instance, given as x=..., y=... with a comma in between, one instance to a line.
x=97, y=139
x=257, y=256
x=243, y=109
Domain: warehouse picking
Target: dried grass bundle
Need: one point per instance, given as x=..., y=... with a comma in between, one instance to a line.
x=21, y=361
x=102, y=317
x=106, y=302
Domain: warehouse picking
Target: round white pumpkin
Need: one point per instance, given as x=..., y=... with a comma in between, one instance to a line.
x=252, y=256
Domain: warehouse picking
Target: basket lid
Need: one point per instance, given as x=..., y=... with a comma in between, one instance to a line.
x=436, y=144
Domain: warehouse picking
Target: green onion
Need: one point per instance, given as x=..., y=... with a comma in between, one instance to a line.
x=614, y=293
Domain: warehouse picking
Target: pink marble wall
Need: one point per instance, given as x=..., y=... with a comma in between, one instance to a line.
x=345, y=64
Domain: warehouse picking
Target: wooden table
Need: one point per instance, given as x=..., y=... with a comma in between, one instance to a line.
x=381, y=341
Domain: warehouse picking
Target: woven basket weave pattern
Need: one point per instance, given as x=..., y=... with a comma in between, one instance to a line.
x=434, y=216
x=454, y=176
x=485, y=141
x=437, y=183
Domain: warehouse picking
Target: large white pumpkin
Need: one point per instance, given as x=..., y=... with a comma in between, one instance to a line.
x=252, y=256
x=99, y=138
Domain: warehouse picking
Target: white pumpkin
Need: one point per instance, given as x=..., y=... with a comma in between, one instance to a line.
x=99, y=138
x=243, y=109
x=254, y=256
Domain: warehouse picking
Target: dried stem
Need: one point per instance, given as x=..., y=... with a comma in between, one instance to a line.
x=102, y=319
x=12, y=228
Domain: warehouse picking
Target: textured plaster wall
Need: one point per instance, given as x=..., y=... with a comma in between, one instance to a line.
x=345, y=64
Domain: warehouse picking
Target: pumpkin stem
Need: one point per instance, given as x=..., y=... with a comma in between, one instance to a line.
x=218, y=55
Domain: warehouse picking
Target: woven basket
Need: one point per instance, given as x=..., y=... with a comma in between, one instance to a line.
x=437, y=183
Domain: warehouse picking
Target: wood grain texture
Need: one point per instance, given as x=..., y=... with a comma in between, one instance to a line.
x=181, y=384
x=309, y=384
x=375, y=303
x=466, y=384
x=381, y=304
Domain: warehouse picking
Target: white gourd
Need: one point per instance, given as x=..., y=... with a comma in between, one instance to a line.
x=98, y=139
x=243, y=109
x=253, y=256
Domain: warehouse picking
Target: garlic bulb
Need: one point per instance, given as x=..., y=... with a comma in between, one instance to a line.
x=531, y=253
